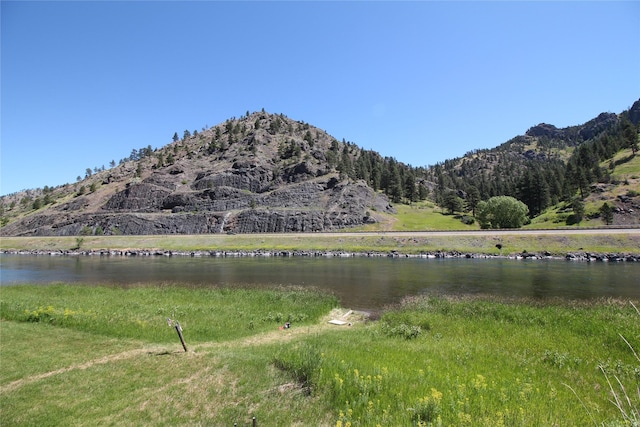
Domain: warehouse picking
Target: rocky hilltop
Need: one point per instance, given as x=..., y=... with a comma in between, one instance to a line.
x=258, y=173
x=574, y=135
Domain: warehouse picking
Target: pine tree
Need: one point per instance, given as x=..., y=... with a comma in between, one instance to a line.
x=452, y=202
x=630, y=136
x=345, y=168
x=393, y=186
x=423, y=192
x=533, y=190
x=410, y=191
x=361, y=169
x=578, y=210
x=606, y=213
x=472, y=199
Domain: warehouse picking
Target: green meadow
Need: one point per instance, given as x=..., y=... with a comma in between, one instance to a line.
x=87, y=355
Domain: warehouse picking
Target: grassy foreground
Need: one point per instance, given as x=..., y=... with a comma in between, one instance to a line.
x=81, y=355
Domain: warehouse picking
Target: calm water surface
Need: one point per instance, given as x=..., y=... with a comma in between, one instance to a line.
x=360, y=283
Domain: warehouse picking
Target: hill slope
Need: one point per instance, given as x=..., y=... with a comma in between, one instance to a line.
x=267, y=173
x=259, y=173
x=547, y=165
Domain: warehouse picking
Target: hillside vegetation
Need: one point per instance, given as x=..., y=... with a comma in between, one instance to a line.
x=620, y=192
x=265, y=172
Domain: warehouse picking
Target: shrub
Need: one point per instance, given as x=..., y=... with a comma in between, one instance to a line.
x=502, y=212
x=402, y=330
x=79, y=241
x=468, y=220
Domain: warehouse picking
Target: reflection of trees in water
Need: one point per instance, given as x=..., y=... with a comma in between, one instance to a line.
x=574, y=281
x=360, y=283
x=541, y=283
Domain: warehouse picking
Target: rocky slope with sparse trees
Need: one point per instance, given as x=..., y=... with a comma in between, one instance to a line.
x=258, y=173
x=265, y=172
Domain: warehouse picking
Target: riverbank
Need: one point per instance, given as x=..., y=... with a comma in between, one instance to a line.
x=608, y=245
x=108, y=356
x=574, y=256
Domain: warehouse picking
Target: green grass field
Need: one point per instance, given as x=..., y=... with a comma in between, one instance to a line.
x=80, y=355
x=419, y=216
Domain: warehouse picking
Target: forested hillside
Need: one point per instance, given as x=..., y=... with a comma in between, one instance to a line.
x=265, y=172
x=541, y=168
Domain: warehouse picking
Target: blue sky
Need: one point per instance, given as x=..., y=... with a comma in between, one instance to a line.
x=83, y=83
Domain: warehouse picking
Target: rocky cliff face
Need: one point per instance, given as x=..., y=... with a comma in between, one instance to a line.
x=576, y=134
x=634, y=113
x=259, y=173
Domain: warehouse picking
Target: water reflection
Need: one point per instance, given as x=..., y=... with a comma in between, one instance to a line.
x=361, y=283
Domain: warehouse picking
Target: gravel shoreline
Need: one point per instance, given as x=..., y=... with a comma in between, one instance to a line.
x=572, y=256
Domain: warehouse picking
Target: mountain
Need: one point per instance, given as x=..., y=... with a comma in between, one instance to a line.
x=545, y=166
x=258, y=173
x=268, y=173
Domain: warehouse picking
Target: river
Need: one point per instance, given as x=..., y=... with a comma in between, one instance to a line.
x=361, y=283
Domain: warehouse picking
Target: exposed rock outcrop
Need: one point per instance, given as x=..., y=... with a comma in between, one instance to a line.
x=545, y=130
x=261, y=173
x=580, y=133
x=634, y=113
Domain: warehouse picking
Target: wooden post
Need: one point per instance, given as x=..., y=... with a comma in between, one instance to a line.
x=179, y=330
